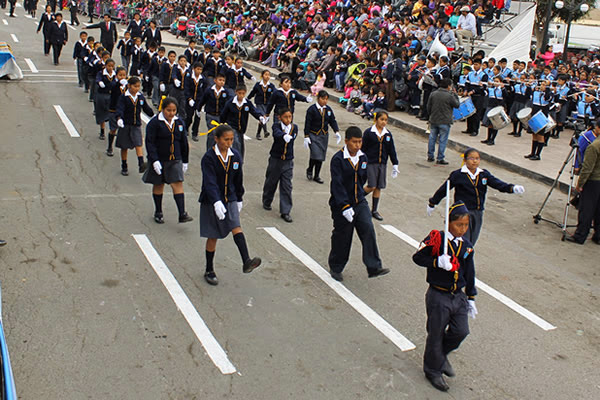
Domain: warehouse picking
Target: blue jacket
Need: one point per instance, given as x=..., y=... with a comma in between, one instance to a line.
x=280, y=148
x=584, y=141
x=347, y=181
x=221, y=181
x=379, y=149
x=166, y=72
x=192, y=56
x=212, y=67
x=237, y=117
x=263, y=94
x=180, y=76
x=115, y=94
x=233, y=79
x=193, y=90
x=129, y=111
x=280, y=100
x=212, y=104
x=109, y=82
x=164, y=143
x=317, y=123
x=155, y=66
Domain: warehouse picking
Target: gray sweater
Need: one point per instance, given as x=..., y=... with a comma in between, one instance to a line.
x=440, y=106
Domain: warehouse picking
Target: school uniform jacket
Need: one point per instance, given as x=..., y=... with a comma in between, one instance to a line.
x=150, y=37
x=471, y=191
x=379, y=149
x=147, y=61
x=280, y=100
x=317, y=121
x=234, y=78
x=236, y=115
x=155, y=65
x=136, y=60
x=347, y=180
x=179, y=75
x=115, y=93
x=85, y=53
x=77, y=49
x=280, y=149
x=212, y=67
x=166, y=72
x=193, y=88
x=135, y=28
x=191, y=55
x=212, y=101
x=94, y=64
x=45, y=23
x=221, y=180
x=166, y=143
x=448, y=281
x=129, y=110
x=125, y=47
x=204, y=57
x=58, y=33
x=108, y=80
x=263, y=93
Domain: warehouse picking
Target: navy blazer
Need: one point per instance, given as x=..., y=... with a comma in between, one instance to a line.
x=347, y=181
x=280, y=100
x=108, y=82
x=221, y=181
x=45, y=23
x=115, y=93
x=213, y=105
x=212, y=67
x=281, y=149
x=136, y=29
x=234, y=79
x=192, y=56
x=193, y=90
x=377, y=149
x=263, y=94
x=59, y=34
x=317, y=123
x=166, y=72
x=129, y=111
x=237, y=117
x=166, y=144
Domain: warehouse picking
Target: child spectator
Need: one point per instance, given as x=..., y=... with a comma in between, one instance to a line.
x=319, y=84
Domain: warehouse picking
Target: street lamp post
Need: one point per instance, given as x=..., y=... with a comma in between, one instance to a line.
x=571, y=8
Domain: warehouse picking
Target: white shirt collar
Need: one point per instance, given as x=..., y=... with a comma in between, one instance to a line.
x=237, y=70
x=214, y=89
x=105, y=72
x=161, y=117
x=319, y=107
x=263, y=84
x=235, y=101
x=134, y=98
x=466, y=170
x=196, y=78
x=59, y=23
x=182, y=69
x=354, y=158
x=151, y=53
x=284, y=92
x=82, y=42
x=218, y=153
x=375, y=131
x=454, y=239
x=286, y=128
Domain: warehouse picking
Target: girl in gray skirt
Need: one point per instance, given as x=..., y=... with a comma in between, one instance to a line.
x=221, y=200
x=106, y=79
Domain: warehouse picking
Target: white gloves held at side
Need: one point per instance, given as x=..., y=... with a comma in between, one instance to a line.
x=191, y=102
x=348, y=213
x=338, y=138
x=518, y=189
x=306, y=142
x=430, y=210
x=444, y=262
x=185, y=167
x=239, y=206
x=177, y=82
x=162, y=87
x=157, y=167
x=120, y=123
x=220, y=210
x=101, y=84
x=472, y=312
x=395, y=171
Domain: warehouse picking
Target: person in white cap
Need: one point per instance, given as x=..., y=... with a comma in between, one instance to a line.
x=466, y=27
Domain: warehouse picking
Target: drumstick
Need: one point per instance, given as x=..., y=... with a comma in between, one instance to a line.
x=447, y=217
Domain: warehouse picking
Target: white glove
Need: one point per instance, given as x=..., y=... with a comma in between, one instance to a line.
x=146, y=78
x=240, y=205
x=75, y=60
x=338, y=138
x=220, y=210
x=253, y=78
x=162, y=87
x=157, y=167
x=177, y=82
x=395, y=171
x=348, y=213
x=287, y=137
x=472, y=309
x=198, y=113
x=518, y=189
x=306, y=142
x=120, y=123
x=185, y=167
x=123, y=82
x=101, y=84
x=263, y=119
x=430, y=210
x=444, y=262
x=191, y=102
x=309, y=99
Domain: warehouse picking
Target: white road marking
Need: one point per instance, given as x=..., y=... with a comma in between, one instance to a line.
x=31, y=66
x=5, y=22
x=185, y=306
x=71, y=27
x=363, y=309
x=483, y=286
x=14, y=38
x=246, y=137
x=66, y=121
x=55, y=71
x=145, y=118
x=8, y=14
x=48, y=75
x=35, y=81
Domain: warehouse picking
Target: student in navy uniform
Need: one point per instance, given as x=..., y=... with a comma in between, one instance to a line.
x=540, y=101
x=85, y=54
x=213, y=100
x=236, y=114
x=168, y=156
x=136, y=26
x=129, y=136
x=236, y=75
x=179, y=73
x=448, y=305
x=378, y=145
x=154, y=72
x=280, y=169
x=204, y=56
x=166, y=73
x=152, y=35
x=496, y=95
x=319, y=117
x=221, y=201
x=59, y=36
x=73, y=4
x=285, y=98
x=213, y=66
x=98, y=59
x=44, y=26
x=105, y=79
x=125, y=45
x=349, y=208
x=146, y=64
x=118, y=88
x=474, y=87
x=77, y=55
x=136, y=57
x=193, y=91
x=262, y=90
x=470, y=184
x=191, y=53
x=91, y=5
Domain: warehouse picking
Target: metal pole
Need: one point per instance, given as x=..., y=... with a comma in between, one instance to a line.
x=549, y=6
x=566, y=45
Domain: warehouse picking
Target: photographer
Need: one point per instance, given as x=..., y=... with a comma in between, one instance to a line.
x=584, y=141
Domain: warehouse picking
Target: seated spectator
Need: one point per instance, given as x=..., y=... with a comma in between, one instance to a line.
x=466, y=27
x=447, y=37
x=377, y=104
x=306, y=79
x=319, y=83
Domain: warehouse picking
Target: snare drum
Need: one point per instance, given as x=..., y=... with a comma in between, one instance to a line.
x=538, y=122
x=550, y=125
x=524, y=115
x=498, y=117
x=465, y=110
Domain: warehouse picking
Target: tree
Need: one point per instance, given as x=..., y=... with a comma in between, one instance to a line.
x=562, y=14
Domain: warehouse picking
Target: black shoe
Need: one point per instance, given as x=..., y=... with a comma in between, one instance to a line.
x=86, y=91
x=430, y=159
x=535, y=158
x=441, y=162
x=465, y=131
x=474, y=133
x=448, y=370
x=486, y=141
x=491, y=143
x=318, y=180
x=337, y=276
x=124, y=172
x=512, y=134
x=211, y=278
x=185, y=218
x=594, y=239
x=266, y=134
x=142, y=168
x=101, y=137
x=158, y=218
x=267, y=207
x=517, y=134
x=438, y=382
x=258, y=137
x=309, y=175
x=286, y=217
x=529, y=155
x=195, y=138
x=251, y=264
x=377, y=216
x=109, y=152
x=2, y=243
x=572, y=239
x=373, y=273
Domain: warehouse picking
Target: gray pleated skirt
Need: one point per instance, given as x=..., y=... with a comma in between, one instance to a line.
x=212, y=227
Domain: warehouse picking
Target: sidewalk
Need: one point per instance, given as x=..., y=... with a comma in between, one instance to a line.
x=508, y=151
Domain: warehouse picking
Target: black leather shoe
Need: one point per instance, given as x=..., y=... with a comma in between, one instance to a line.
x=2, y=243
x=486, y=141
x=572, y=239
x=441, y=162
x=109, y=152
x=318, y=179
x=594, y=239
x=430, y=159
x=125, y=172
x=267, y=207
x=211, y=278
x=491, y=143
x=465, y=131
x=101, y=136
x=377, y=216
x=158, y=218
x=185, y=218
x=438, y=382
x=195, y=138
x=142, y=168
x=474, y=133
x=448, y=370
x=251, y=265
x=529, y=155
x=535, y=158
x=266, y=134
x=309, y=175
x=286, y=217
x=258, y=137
x=373, y=273
x=337, y=276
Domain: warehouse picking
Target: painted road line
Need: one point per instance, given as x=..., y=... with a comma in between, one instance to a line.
x=66, y=121
x=185, y=306
x=72, y=27
x=145, y=118
x=5, y=22
x=14, y=38
x=363, y=309
x=31, y=65
x=246, y=137
x=483, y=286
x=8, y=14
x=50, y=75
x=35, y=81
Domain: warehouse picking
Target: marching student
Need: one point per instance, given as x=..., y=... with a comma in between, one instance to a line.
x=129, y=136
x=136, y=26
x=235, y=114
x=285, y=98
x=280, y=169
x=448, y=306
x=221, y=201
x=470, y=184
x=168, y=156
x=213, y=66
x=154, y=72
x=136, y=57
x=146, y=64
x=378, y=145
x=59, y=36
x=77, y=55
x=193, y=87
x=73, y=4
x=87, y=52
x=495, y=97
x=152, y=35
x=213, y=100
x=319, y=117
x=95, y=64
x=262, y=90
x=540, y=101
x=166, y=73
x=119, y=87
x=349, y=208
x=178, y=85
x=105, y=79
x=191, y=53
x=235, y=75
x=205, y=54
x=125, y=46
x=44, y=26
x=522, y=92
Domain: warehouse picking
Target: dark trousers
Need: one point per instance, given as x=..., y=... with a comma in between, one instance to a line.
x=341, y=238
x=426, y=94
x=210, y=138
x=475, y=222
x=589, y=211
x=80, y=71
x=12, y=8
x=85, y=75
x=474, y=121
x=239, y=142
x=279, y=172
x=56, y=49
x=108, y=47
x=447, y=327
x=93, y=84
x=74, y=19
x=46, y=45
x=192, y=120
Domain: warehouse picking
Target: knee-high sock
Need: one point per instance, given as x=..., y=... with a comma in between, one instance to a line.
x=540, y=147
x=515, y=126
x=157, y=202
x=318, y=165
x=311, y=164
x=210, y=255
x=240, y=242
x=180, y=201
x=111, y=140
x=375, y=204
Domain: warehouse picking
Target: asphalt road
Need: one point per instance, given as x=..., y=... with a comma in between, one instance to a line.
x=87, y=316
